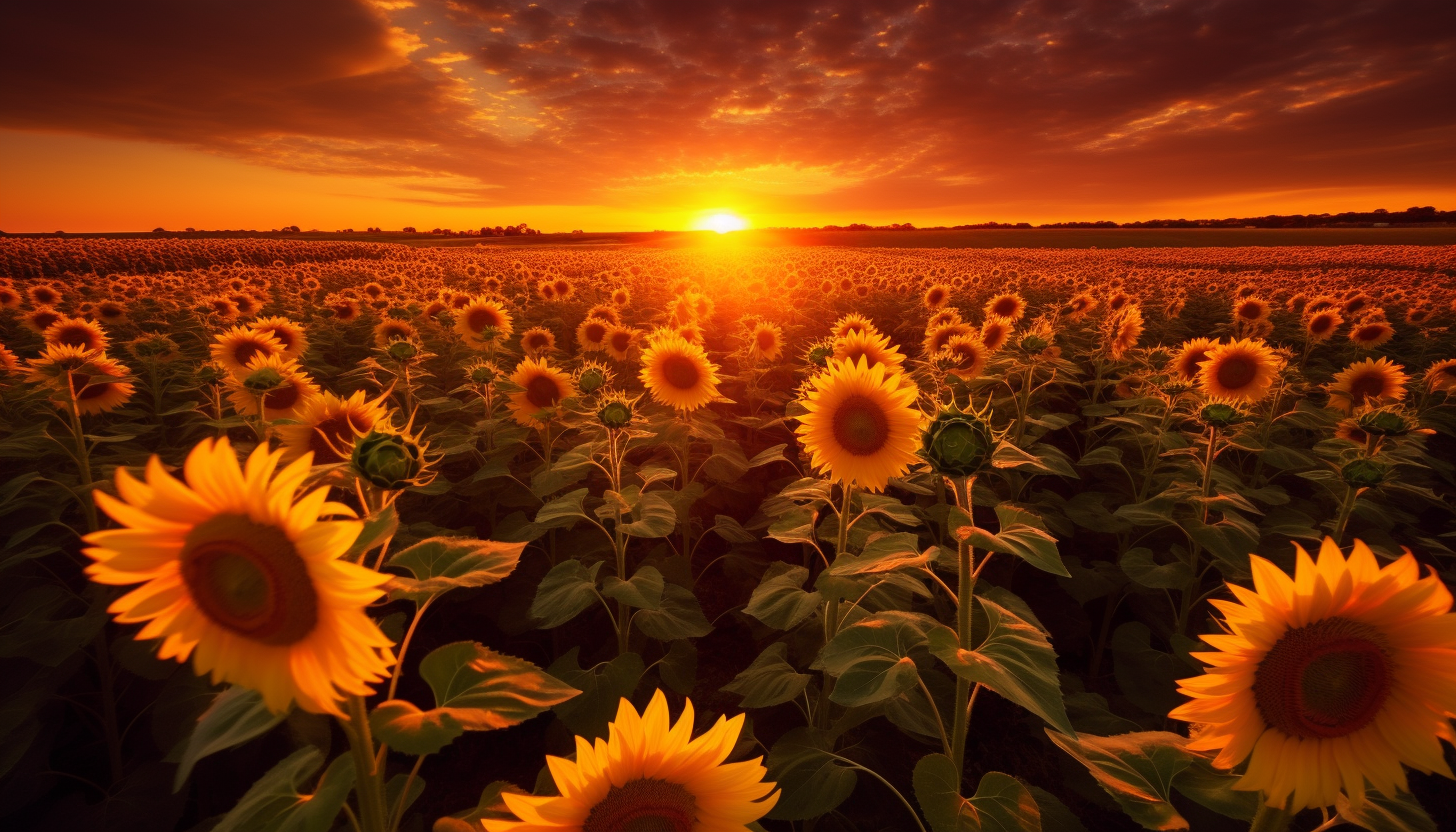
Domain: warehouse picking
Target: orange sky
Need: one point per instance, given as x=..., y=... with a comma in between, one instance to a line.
x=642, y=114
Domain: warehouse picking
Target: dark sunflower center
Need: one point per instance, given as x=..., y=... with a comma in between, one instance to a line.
x=249, y=578
x=1366, y=386
x=595, y=332
x=479, y=319
x=88, y=389
x=542, y=391
x=284, y=337
x=284, y=398
x=1324, y=680
x=1236, y=372
x=860, y=425
x=329, y=437
x=1188, y=367
x=646, y=805
x=1320, y=324
x=77, y=336
x=1251, y=311
x=681, y=372
x=1005, y=307
x=537, y=341
x=1368, y=333
x=765, y=341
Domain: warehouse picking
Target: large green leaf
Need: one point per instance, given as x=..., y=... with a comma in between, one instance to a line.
x=378, y=527
x=678, y=616
x=1001, y=802
x=871, y=657
x=235, y=716
x=483, y=689
x=1014, y=659
x=563, y=511
x=440, y=564
x=1023, y=539
x=404, y=727
x=566, y=590
x=886, y=553
x=655, y=516
x=643, y=591
x=602, y=687
x=1141, y=770
x=1140, y=565
x=275, y=804
x=780, y=600
x=813, y=780
x=770, y=680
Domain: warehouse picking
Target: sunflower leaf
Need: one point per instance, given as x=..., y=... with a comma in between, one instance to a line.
x=567, y=589
x=481, y=689
x=770, y=680
x=1001, y=802
x=1014, y=659
x=1378, y=813
x=562, y=512
x=656, y=516
x=440, y=564
x=678, y=616
x=378, y=527
x=814, y=780
x=235, y=716
x=602, y=686
x=274, y=803
x=871, y=657
x=404, y=727
x=883, y=554
x=643, y=591
x=780, y=600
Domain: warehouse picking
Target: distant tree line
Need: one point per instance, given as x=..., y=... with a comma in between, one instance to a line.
x=1426, y=215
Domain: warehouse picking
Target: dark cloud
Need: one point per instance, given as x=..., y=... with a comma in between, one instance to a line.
x=875, y=104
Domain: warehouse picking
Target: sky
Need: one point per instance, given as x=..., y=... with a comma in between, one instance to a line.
x=654, y=114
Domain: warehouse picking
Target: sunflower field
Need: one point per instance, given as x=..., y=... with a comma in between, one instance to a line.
x=322, y=536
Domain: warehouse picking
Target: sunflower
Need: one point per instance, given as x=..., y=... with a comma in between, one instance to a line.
x=871, y=346
x=1190, y=355
x=9, y=361
x=542, y=389
x=94, y=380
x=538, y=341
x=1010, y=306
x=38, y=320
x=328, y=424
x=766, y=342
x=238, y=346
x=1330, y=679
x=678, y=373
x=619, y=340
x=9, y=298
x=861, y=423
x=605, y=312
x=690, y=332
x=1321, y=325
x=479, y=315
x=390, y=329
x=1080, y=306
x=243, y=578
x=43, y=294
x=996, y=331
x=290, y=391
x=1126, y=331
x=853, y=322
x=964, y=356
x=1442, y=375
x=621, y=296
x=111, y=312
x=649, y=774
x=1371, y=334
x=78, y=332
x=1242, y=371
x=937, y=296
x=292, y=340
x=942, y=318
x=1368, y=382
x=936, y=339
x=591, y=333
x=1251, y=309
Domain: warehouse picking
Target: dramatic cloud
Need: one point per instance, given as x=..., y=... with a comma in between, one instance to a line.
x=813, y=107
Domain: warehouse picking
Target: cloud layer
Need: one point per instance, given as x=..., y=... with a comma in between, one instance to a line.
x=810, y=107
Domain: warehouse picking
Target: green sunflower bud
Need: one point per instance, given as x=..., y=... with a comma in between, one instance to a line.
x=263, y=380
x=402, y=350
x=388, y=460
x=958, y=444
x=484, y=374
x=1034, y=343
x=1363, y=473
x=591, y=380
x=1385, y=423
x=210, y=374
x=1220, y=415
x=615, y=414
x=819, y=355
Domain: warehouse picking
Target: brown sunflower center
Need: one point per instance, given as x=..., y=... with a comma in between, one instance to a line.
x=245, y=351
x=1251, y=311
x=1005, y=307
x=766, y=340
x=1370, y=332
x=480, y=318
x=1236, y=372
x=860, y=425
x=645, y=805
x=333, y=436
x=1367, y=385
x=1320, y=324
x=1324, y=680
x=249, y=578
x=594, y=331
x=284, y=398
x=621, y=341
x=1188, y=366
x=681, y=372
x=542, y=391
x=77, y=336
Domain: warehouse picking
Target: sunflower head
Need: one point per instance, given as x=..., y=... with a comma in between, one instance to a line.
x=593, y=376
x=1371, y=381
x=616, y=413
x=860, y=424
x=1243, y=371
x=1385, y=421
x=1363, y=473
x=541, y=388
x=678, y=373
x=957, y=443
x=389, y=459
x=1221, y=414
x=77, y=332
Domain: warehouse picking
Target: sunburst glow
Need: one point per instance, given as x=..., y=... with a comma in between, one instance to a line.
x=722, y=222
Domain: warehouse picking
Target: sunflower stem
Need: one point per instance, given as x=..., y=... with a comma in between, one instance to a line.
x=1270, y=819
x=965, y=594
x=1346, y=509
x=831, y=611
x=367, y=788
x=1195, y=555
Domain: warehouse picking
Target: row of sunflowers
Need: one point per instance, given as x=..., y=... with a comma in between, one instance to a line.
x=937, y=540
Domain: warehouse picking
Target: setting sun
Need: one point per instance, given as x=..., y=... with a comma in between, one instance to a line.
x=722, y=222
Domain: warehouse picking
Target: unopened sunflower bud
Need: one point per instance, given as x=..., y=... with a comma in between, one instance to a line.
x=819, y=355
x=591, y=380
x=263, y=380
x=388, y=460
x=1220, y=415
x=957, y=444
x=1385, y=422
x=1363, y=473
x=615, y=414
x=402, y=350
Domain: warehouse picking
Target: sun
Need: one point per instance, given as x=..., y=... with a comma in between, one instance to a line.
x=722, y=222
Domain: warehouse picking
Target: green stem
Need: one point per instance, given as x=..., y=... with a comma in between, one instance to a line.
x=965, y=594
x=1270, y=819
x=1346, y=509
x=367, y=786
x=1195, y=556
x=397, y=815
x=831, y=611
